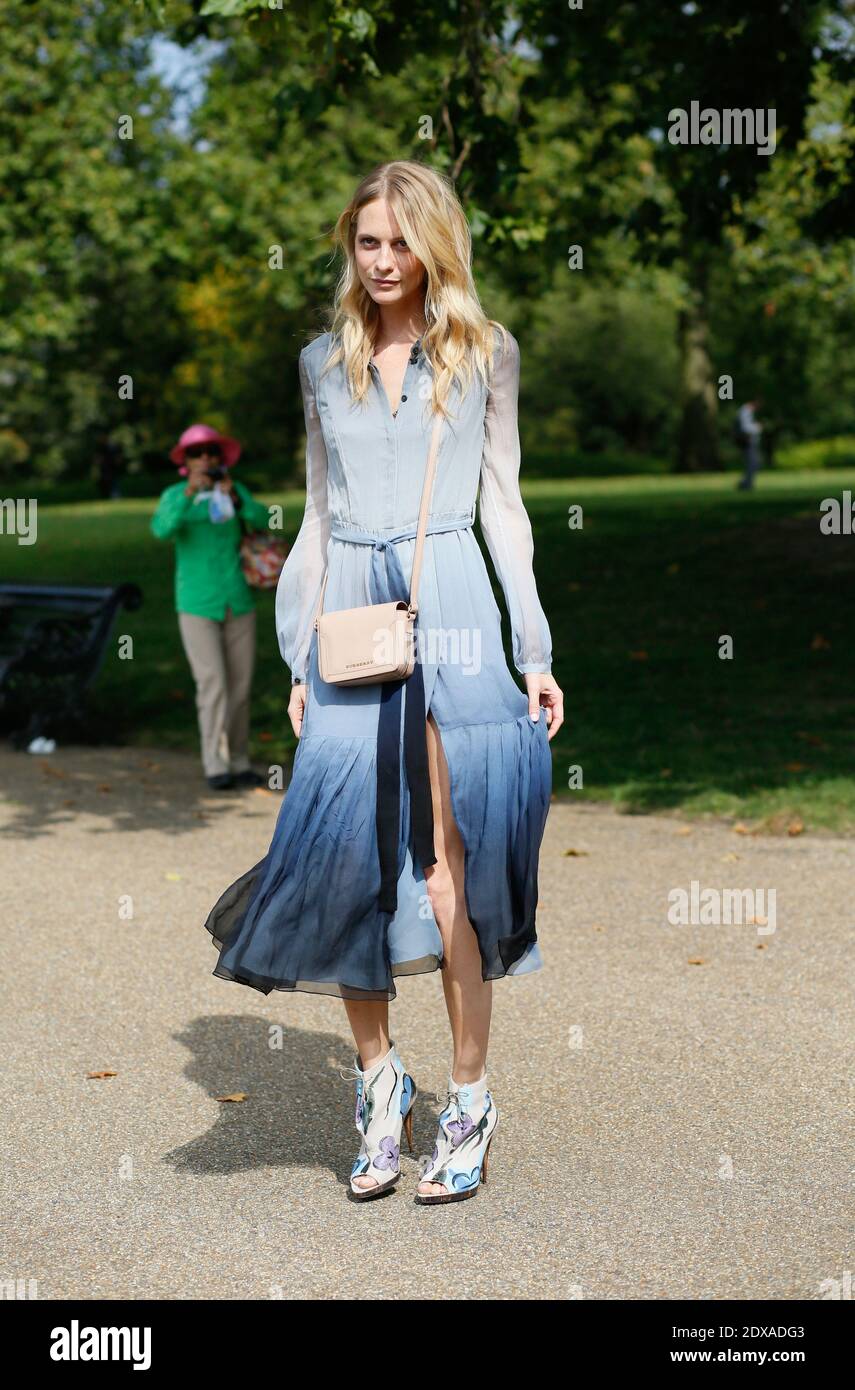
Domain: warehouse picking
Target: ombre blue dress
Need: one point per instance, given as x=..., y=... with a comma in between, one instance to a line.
x=322, y=911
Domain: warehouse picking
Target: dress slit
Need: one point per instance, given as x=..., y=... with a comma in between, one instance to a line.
x=500, y=894
x=438, y=735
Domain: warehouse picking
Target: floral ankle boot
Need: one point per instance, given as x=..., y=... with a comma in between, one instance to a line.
x=466, y=1129
x=385, y=1094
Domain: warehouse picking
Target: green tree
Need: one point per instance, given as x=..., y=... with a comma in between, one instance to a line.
x=86, y=265
x=635, y=64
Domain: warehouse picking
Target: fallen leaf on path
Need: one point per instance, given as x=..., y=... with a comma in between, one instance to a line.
x=238, y=1096
x=575, y=853
x=99, y=1075
x=173, y=878
x=696, y=960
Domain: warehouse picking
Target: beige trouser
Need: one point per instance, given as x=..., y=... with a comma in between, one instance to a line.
x=222, y=657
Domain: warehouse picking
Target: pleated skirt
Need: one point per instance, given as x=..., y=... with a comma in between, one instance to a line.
x=310, y=915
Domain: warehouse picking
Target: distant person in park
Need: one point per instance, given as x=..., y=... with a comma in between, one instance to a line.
x=216, y=607
x=372, y=875
x=749, y=431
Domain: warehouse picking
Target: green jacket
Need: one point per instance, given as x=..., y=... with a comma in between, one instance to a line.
x=208, y=576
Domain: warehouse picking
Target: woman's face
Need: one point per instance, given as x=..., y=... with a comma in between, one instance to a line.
x=390, y=272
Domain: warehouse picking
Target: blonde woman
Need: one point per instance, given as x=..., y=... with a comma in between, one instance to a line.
x=409, y=837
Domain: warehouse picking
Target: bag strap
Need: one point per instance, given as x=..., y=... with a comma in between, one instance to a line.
x=421, y=528
x=424, y=512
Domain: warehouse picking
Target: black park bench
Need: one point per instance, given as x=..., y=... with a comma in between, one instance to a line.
x=53, y=639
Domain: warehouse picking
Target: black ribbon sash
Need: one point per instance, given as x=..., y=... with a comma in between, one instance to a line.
x=389, y=586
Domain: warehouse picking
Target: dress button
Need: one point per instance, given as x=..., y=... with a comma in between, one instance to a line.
x=403, y=398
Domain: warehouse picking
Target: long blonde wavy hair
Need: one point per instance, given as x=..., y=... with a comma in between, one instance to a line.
x=459, y=339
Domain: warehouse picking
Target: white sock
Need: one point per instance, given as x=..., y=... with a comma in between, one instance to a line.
x=477, y=1088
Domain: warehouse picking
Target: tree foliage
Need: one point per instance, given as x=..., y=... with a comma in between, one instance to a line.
x=194, y=258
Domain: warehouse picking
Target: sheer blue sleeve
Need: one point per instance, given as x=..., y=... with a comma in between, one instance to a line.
x=504, y=520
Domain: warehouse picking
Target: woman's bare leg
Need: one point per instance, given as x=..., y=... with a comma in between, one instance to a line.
x=468, y=998
x=369, y=1022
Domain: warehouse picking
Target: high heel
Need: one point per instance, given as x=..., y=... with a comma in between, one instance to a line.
x=385, y=1095
x=408, y=1121
x=460, y=1156
x=486, y=1157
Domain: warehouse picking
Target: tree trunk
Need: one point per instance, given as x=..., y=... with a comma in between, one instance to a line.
x=698, y=442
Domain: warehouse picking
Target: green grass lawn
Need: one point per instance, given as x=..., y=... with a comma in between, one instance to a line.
x=637, y=602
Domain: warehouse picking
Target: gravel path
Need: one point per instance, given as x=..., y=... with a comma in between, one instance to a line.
x=668, y=1129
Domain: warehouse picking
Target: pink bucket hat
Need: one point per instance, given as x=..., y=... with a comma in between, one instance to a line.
x=204, y=434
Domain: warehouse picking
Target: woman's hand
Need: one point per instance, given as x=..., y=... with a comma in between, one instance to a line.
x=296, y=707
x=197, y=477
x=545, y=693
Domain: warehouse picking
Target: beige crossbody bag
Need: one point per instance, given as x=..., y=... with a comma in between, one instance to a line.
x=361, y=646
